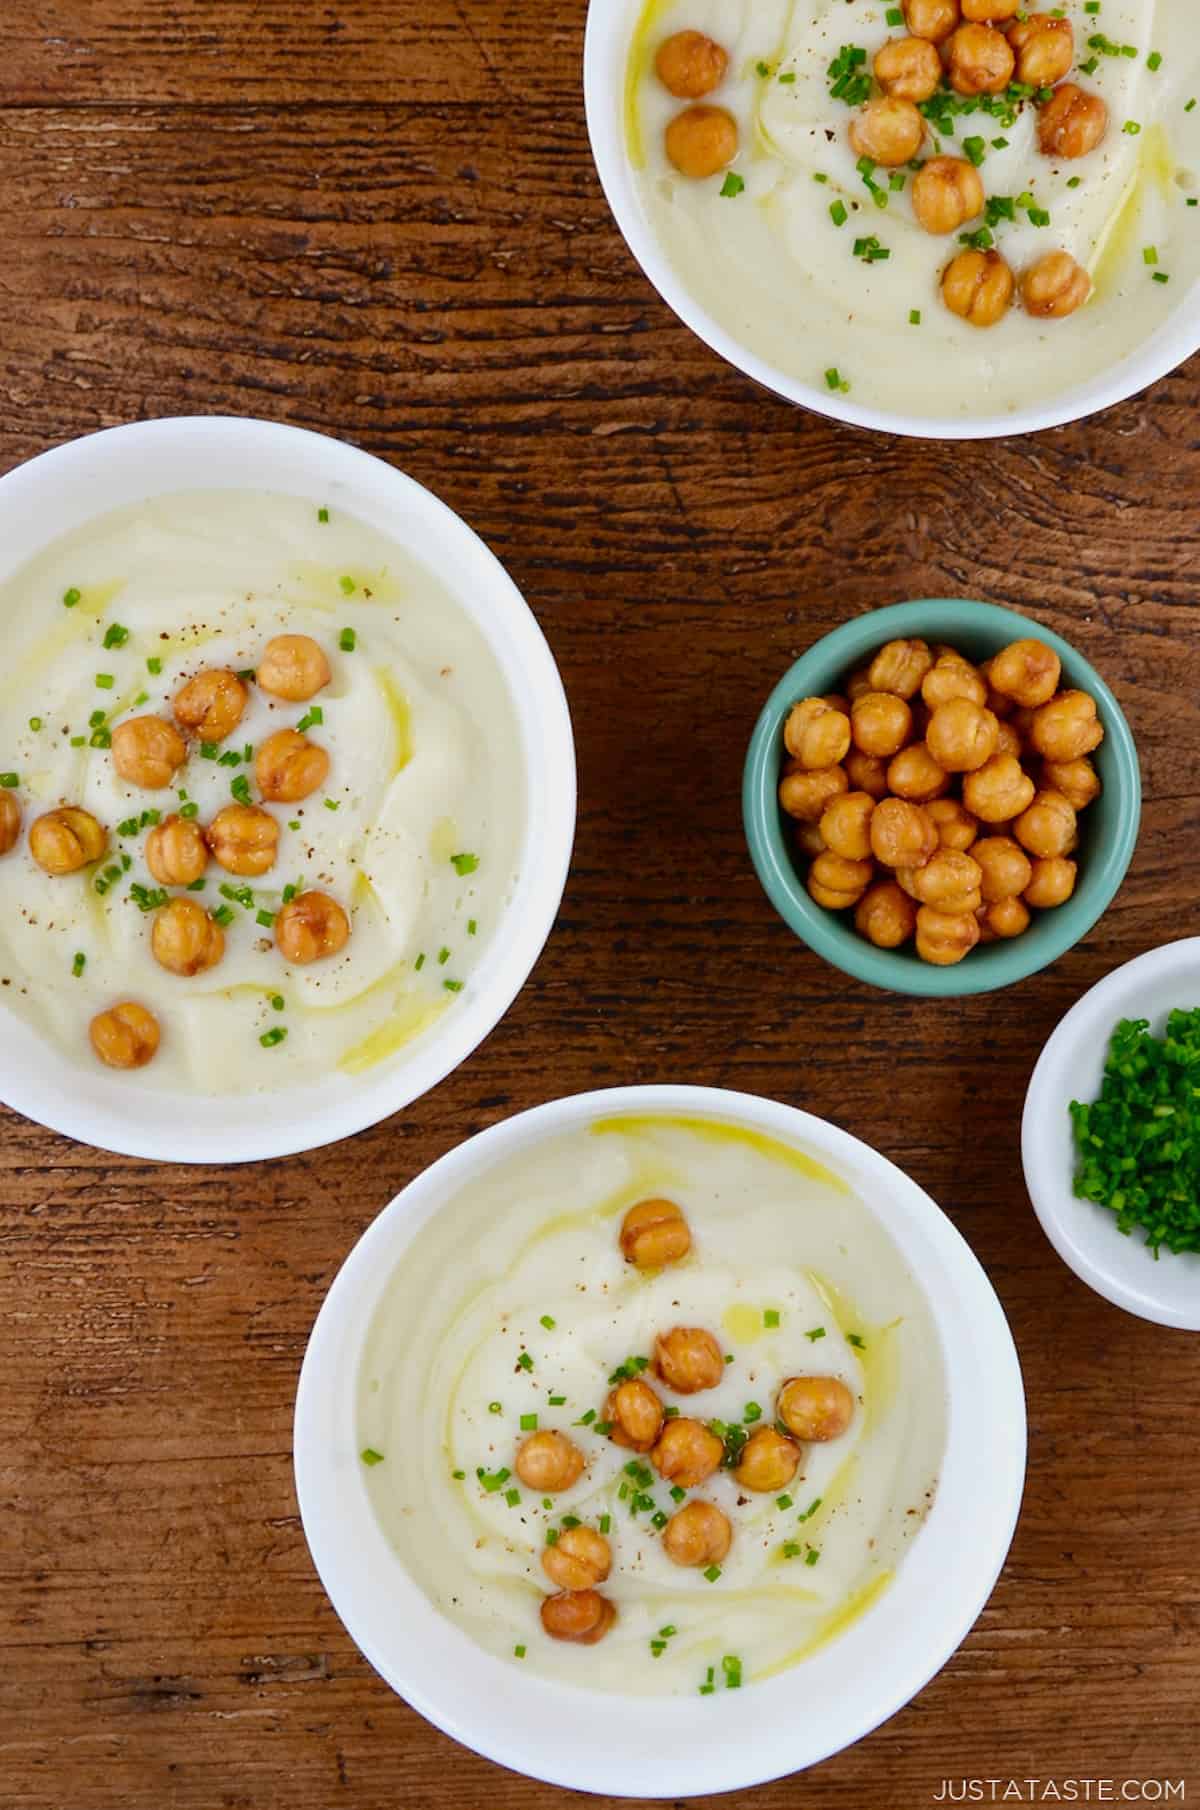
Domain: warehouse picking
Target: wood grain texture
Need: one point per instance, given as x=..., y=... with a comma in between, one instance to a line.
x=379, y=218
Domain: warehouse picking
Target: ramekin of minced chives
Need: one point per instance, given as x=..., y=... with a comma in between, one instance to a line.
x=1138, y=1144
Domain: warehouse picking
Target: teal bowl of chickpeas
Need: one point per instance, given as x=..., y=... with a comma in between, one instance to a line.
x=941, y=797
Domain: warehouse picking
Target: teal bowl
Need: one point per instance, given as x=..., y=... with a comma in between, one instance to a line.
x=1107, y=829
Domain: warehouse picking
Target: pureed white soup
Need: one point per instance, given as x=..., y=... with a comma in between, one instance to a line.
x=513, y=1310
x=413, y=831
x=811, y=255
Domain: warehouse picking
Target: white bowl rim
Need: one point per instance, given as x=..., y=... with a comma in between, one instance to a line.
x=40, y=1081
x=606, y=35
x=551, y=1731
x=1080, y=1231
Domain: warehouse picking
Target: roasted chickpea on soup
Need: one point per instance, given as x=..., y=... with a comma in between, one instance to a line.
x=260, y=812
x=942, y=208
x=631, y=1474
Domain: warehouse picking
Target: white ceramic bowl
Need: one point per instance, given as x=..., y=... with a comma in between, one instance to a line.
x=1118, y=1266
x=610, y=26
x=672, y=1747
x=64, y=488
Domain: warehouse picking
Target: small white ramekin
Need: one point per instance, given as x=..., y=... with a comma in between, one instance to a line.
x=1119, y=1266
x=668, y=1746
x=61, y=490
x=610, y=27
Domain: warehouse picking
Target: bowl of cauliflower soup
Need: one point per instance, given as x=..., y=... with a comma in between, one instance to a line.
x=948, y=218
x=288, y=790
x=659, y=1408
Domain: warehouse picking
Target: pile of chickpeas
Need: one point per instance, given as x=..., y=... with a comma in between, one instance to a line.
x=976, y=47
x=684, y=1450
x=937, y=799
x=149, y=752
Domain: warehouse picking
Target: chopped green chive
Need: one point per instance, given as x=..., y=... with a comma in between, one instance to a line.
x=333, y=804
x=370, y=1456
x=443, y=956
x=835, y=381
x=818, y=1332
x=105, y=681
x=791, y=1549
x=529, y=1423
x=275, y=1035
x=856, y=1339
x=154, y=665
x=605, y=1523
x=732, y=1668
x=519, y=1652
x=712, y=1573
x=79, y=964
x=1154, y=60
x=525, y=1362
x=347, y=584
x=9, y=780
x=811, y=1556
x=914, y=317
x=548, y=1321
x=322, y=515
x=71, y=597
x=419, y=963
x=265, y=918
x=240, y=788
x=783, y=1501
x=512, y=1497
x=558, y=1401
x=115, y=635
x=472, y=926
x=347, y=640
x=811, y=1510
x=223, y=916
x=277, y=1001
x=770, y=1317
x=452, y=986
x=837, y=213
x=733, y=184
x=35, y=723
x=464, y=864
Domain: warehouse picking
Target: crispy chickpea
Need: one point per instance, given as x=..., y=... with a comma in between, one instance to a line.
x=805, y=795
x=1072, y=122
x=635, y=1414
x=858, y=684
x=1044, y=47
x=10, y=822
x=950, y=880
x=176, y=852
x=932, y=19
x=945, y=937
x=846, y=825
x=1077, y=780
x=867, y=773
x=999, y=705
x=63, y=841
x=978, y=286
x=243, y=838
x=908, y=68
x=211, y=705
x=881, y=723
x=1004, y=868
x=808, y=839
x=1008, y=739
x=687, y=1453
x=816, y=733
x=1026, y=671
x=1047, y=827
x=185, y=940
x=814, y=1408
x=548, y=1462
x=837, y=883
x=702, y=140
x=946, y=193
x=293, y=667
x=962, y=736
x=888, y=129
x=688, y=1359
x=768, y=1461
x=690, y=65
x=1066, y=727
x=914, y=774
x=310, y=928
x=1006, y=918
x=289, y=767
x=955, y=825
x=951, y=676
x=697, y=1534
x=125, y=1036
x=1051, y=883
x=999, y=790
x=902, y=834
x=1055, y=286
x=655, y=1232
x=583, y=1616
x=899, y=667
x=147, y=751
x=580, y=1559
x=979, y=60
x=989, y=12
x=885, y=916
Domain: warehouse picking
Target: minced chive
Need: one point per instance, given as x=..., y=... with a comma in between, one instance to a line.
x=529, y=1423
x=791, y=1549
x=332, y=804
x=512, y=1497
x=751, y=1412
x=9, y=780
x=104, y=681
x=443, y=956
x=189, y=810
x=548, y=1321
x=1154, y=60
x=525, y=1362
x=519, y=1652
x=275, y=1035
x=914, y=317
x=370, y=1456
x=348, y=585
x=277, y=1001
x=196, y=885
x=240, y=788
x=464, y=864
x=71, y=597
x=472, y=926
x=818, y=1332
x=1131, y=128
x=605, y=1523
x=265, y=918
x=495, y=1407
x=322, y=515
x=837, y=213
x=347, y=640
x=770, y=1317
x=115, y=635
x=208, y=751
x=419, y=963
x=35, y=723
x=154, y=665
x=811, y=1510
x=733, y=184
x=77, y=741
x=1160, y=276
x=79, y=964
x=570, y=1520
x=712, y=1573
x=223, y=916
x=458, y=1475
x=783, y=1501
x=812, y=1555
x=677, y=1493
x=558, y=1401
x=732, y=1668
x=585, y=1420
x=452, y=986
x=856, y=1339
x=294, y=824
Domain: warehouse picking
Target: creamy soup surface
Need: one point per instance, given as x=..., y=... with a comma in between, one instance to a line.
x=415, y=832
x=514, y=1306
x=856, y=307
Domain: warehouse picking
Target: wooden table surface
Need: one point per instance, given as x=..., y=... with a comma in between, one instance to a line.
x=379, y=218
